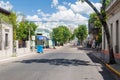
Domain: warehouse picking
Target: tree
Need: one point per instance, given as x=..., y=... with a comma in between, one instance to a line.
x=72, y=36
x=97, y=25
x=24, y=28
x=81, y=32
x=61, y=34
x=102, y=17
x=12, y=20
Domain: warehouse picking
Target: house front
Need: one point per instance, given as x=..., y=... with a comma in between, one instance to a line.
x=113, y=21
x=6, y=38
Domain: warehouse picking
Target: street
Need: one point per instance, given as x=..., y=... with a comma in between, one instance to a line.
x=66, y=63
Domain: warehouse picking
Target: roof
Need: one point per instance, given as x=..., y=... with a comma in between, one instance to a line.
x=41, y=30
x=4, y=11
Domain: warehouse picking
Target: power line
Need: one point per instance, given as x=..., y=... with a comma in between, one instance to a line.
x=59, y=21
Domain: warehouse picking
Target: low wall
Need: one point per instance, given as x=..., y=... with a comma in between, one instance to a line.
x=105, y=56
x=7, y=53
x=22, y=51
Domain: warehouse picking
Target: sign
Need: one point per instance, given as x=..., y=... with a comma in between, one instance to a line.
x=33, y=37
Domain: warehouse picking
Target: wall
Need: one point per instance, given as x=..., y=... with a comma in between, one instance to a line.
x=22, y=51
x=6, y=51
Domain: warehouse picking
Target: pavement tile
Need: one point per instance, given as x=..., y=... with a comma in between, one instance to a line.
x=115, y=68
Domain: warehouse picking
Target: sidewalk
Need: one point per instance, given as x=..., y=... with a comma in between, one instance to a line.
x=12, y=58
x=114, y=68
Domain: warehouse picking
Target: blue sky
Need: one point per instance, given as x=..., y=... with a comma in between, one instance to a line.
x=31, y=6
x=52, y=10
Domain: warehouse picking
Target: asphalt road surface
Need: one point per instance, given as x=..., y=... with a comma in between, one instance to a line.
x=66, y=63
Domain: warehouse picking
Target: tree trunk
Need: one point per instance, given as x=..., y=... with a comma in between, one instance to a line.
x=109, y=42
x=102, y=17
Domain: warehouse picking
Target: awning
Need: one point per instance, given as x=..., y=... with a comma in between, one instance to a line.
x=42, y=37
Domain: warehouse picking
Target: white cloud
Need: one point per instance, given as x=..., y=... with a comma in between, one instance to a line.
x=41, y=13
x=84, y=8
x=54, y=3
x=33, y=18
x=6, y=5
x=66, y=3
x=64, y=16
x=69, y=16
x=61, y=8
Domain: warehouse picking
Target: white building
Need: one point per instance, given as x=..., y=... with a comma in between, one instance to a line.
x=6, y=37
x=46, y=33
x=113, y=15
x=6, y=41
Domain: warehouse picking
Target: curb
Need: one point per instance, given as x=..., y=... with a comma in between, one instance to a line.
x=113, y=70
x=14, y=58
x=109, y=67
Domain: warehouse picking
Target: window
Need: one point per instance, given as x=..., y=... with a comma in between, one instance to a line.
x=117, y=36
x=6, y=40
x=111, y=32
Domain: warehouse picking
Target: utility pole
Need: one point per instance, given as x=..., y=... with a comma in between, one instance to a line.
x=29, y=33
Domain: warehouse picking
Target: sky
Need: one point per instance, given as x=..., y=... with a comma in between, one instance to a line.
x=51, y=13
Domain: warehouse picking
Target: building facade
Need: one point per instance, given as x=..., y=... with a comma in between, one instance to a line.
x=113, y=21
x=6, y=37
x=6, y=44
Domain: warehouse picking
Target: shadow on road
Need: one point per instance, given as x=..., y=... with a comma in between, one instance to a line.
x=104, y=71
x=63, y=62
x=87, y=49
x=93, y=58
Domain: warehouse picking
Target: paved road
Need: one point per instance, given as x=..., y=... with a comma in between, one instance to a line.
x=67, y=63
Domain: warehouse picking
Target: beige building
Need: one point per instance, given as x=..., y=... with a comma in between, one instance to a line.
x=6, y=41
x=113, y=15
x=6, y=37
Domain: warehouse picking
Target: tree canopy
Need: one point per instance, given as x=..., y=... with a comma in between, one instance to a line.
x=61, y=34
x=11, y=19
x=81, y=32
x=97, y=24
x=25, y=29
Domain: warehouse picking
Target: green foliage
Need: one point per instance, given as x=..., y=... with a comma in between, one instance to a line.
x=81, y=32
x=4, y=18
x=95, y=20
x=12, y=20
x=106, y=3
x=99, y=38
x=97, y=24
x=72, y=36
x=61, y=34
x=24, y=28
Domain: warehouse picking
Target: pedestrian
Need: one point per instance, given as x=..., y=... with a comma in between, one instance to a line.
x=93, y=44
x=99, y=47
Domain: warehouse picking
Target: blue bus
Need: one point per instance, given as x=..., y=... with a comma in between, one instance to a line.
x=42, y=40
